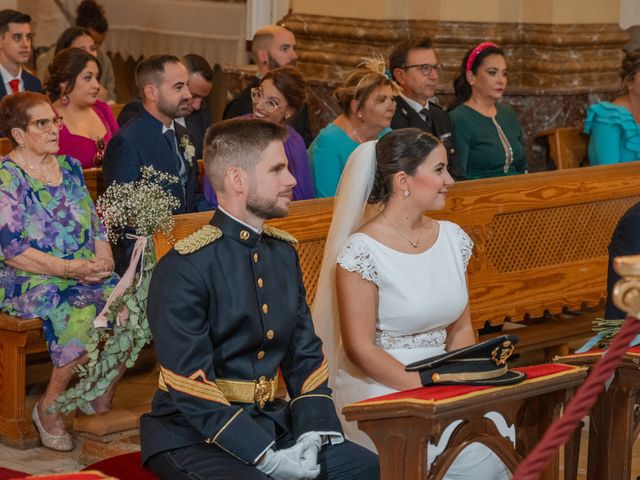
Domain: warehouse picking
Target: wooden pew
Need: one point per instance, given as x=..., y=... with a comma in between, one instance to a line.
x=95, y=182
x=567, y=146
x=5, y=146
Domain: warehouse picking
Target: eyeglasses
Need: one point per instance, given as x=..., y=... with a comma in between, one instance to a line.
x=270, y=105
x=45, y=124
x=425, y=68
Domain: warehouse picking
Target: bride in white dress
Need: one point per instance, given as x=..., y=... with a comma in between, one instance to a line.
x=399, y=293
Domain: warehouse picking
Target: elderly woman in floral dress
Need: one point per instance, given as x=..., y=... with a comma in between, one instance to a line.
x=55, y=262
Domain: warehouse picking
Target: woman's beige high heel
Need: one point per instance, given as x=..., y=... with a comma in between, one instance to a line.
x=62, y=443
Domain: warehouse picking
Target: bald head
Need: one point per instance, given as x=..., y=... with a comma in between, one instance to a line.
x=273, y=46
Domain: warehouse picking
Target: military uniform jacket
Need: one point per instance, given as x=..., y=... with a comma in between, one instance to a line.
x=407, y=117
x=234, y=309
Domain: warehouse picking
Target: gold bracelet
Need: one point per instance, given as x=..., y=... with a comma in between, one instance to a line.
x=66, y=269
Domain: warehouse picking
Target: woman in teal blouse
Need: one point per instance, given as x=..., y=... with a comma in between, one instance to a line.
x=367, y=104
x=613, y=126
x=488, y=136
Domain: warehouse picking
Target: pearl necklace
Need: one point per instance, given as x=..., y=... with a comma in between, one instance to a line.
x=415, y=244
x=355, y=133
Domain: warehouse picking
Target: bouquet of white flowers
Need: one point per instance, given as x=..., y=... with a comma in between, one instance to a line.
x=145, y=207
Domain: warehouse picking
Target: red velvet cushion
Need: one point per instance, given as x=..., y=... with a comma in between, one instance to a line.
x=451, y=392
x=125, y=466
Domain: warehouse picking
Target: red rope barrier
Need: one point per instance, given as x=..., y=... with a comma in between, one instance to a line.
x=586, y=396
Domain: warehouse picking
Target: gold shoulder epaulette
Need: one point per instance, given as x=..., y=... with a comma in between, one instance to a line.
x=198, y=239
x=274, y=232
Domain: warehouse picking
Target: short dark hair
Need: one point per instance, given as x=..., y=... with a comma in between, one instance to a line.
x=401, y=150
x=67, y=37
x=90, y=14
x=197, y=64
x=399, y=54
x=8, y=16
x=237, y=142
x=65, y=67
x=151, y=69
x=291, y=83
x=14, y=111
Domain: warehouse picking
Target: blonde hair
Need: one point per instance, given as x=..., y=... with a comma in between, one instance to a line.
x=370, y=74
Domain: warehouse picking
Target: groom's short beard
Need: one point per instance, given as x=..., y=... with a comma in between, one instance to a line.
x=266, y=209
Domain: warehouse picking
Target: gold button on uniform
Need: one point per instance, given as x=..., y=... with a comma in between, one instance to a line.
x=260, y=355
x=244, y=235
x=260, y=282
x=265, y=308
x=255, y=257
x=270, y=334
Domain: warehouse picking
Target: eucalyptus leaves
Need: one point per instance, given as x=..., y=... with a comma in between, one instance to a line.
x=145, y=207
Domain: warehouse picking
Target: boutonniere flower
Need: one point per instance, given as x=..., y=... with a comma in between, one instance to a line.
x=187, y=148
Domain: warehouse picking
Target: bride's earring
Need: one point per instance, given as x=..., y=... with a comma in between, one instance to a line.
x=407, y=193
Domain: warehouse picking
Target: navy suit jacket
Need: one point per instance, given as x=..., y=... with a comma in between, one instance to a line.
x=407, y=117
x=139, y=144
x=625, y=241
x=31, y=84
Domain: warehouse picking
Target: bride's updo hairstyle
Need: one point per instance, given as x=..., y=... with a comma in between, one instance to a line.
x=401, y=150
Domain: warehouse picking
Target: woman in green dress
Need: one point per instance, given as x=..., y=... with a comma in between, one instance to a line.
x=55, y=261
x=488, y=136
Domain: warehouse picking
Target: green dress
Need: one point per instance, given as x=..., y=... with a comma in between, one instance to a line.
x=478, y=145
x=59, y=220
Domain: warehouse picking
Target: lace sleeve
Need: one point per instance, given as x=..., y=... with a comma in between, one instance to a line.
x=466, y=245
x=356, y=257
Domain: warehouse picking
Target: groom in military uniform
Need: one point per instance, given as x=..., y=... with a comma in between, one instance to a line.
x=227, y=309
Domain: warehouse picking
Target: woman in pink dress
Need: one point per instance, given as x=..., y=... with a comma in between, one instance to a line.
x=89, y=123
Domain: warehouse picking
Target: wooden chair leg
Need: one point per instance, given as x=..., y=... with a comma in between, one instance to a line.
x=16, y=427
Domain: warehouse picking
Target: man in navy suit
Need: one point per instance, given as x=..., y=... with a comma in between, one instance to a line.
x=154, y=139
x=415, y=67
x=15, y=51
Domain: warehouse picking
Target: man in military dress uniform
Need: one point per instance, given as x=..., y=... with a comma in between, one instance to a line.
x=227, y=309
x=414, y=66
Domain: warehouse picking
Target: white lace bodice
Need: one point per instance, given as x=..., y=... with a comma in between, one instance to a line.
x=419, y=294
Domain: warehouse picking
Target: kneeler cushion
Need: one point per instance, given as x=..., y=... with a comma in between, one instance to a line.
x=451, y=393
x=127, y=465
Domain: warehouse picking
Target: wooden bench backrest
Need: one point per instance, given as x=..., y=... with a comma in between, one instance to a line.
x=95, y=182
x=5, y=146
x=540, y=239
x=567, y=146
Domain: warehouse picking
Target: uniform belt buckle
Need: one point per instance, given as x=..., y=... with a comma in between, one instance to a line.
x=262, y=392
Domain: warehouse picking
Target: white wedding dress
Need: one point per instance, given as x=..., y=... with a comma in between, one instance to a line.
x=419, y=295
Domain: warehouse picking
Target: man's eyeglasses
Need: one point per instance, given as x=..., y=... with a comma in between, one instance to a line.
x=46, y=124
x=270, y=105
x=425, y=68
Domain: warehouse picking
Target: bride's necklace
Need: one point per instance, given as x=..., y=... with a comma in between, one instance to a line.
x=39, y=171
x=415, y=244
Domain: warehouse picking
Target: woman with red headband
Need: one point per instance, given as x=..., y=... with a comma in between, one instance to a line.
x=487, y=134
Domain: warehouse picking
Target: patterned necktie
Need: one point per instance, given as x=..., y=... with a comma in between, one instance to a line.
x=15, y=85
x=427, y=120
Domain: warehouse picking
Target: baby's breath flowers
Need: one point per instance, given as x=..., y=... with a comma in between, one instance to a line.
x=143, y=205
x=146, y=207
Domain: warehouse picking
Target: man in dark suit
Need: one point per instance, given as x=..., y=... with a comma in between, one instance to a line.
x=229, y=315
x=15, y=51
x=415, y=67
x=624, y=241
x=272, y=47
x=154, y=139
x=200, y=84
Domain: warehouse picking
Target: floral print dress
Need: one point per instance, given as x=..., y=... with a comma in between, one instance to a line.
x=59, y=220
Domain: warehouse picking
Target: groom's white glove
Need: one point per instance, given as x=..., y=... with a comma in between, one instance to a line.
x=312, y=443
x=286, y=464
